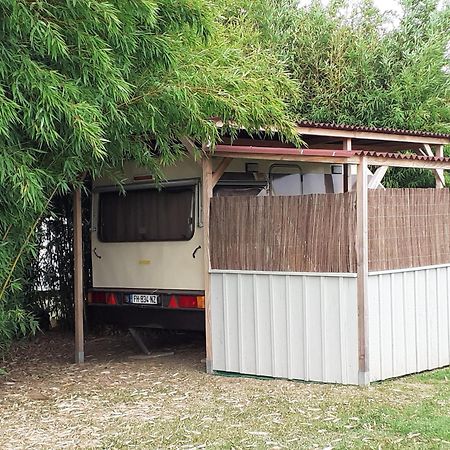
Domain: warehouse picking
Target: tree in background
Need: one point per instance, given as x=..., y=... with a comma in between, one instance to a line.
x=355, y=65
x=359, y=66
x=86, y=84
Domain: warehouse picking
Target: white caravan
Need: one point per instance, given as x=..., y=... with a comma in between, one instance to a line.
x=147, y=260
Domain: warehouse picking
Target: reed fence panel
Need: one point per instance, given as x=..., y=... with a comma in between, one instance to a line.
x=308, y=233
x=408, y=228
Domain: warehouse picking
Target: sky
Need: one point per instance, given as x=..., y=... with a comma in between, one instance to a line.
x=383, y=5
x=387, y=5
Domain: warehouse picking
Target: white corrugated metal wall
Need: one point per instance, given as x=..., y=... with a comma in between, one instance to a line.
x=286, y=325
x=304, y=326
x=409, y=321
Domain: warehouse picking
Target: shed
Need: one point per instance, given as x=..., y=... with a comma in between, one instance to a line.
x=346, y=287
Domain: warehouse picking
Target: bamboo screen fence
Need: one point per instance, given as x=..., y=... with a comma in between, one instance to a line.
x=309, y=233
x=316, y=233
x=408, y=228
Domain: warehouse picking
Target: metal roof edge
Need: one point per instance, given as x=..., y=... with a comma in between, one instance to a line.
x=372, y=129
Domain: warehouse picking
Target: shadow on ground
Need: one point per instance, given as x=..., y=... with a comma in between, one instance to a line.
x=56, y=349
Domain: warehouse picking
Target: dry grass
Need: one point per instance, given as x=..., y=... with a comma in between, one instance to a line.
x=170, y=403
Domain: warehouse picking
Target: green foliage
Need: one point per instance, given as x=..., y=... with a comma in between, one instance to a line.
x=15, y=323
x=86, y=84
x=412, y=178
x=48, y=283
x=355, y=65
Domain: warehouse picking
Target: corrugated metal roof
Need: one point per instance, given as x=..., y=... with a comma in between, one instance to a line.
x=335, y=126
x=401, y=156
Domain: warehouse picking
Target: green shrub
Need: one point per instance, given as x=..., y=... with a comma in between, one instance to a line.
x=15, y=323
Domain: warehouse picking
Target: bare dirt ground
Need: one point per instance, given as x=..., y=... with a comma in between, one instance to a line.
x=115, y=402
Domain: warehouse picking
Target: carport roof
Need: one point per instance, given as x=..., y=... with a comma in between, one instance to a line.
x=368, y=129
x=332, y=136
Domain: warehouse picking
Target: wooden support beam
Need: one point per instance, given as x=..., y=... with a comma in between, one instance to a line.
x=220, y=170
x=207, y=190
x=191, y=148
x=347, y=145
x=371, y=160
x=438, y=173
x=405, y=162
x=428, y=150
x=300, y=158
x=379, y=174
x=358, y=146
x=362, y=257
x=78, y=276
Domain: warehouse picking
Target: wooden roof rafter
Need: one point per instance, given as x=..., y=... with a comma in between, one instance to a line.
x=333, y=156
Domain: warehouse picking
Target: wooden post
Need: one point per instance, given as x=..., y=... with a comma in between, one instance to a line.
x=439, y=173
x=346, y=146
x=206, y=196
x=362, y=256
x=78, y=277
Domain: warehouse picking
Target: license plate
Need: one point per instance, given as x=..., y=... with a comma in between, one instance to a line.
x=144, y=299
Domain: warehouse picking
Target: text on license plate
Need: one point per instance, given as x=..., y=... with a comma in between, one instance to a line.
x=144, y=299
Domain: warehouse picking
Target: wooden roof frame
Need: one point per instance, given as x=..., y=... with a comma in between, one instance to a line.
x=338, y=140
x=404, y=137
x=345, y=145
x=333, y=157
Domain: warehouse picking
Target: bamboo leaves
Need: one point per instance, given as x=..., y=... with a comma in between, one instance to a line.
x=87, y=84
x=355, y=65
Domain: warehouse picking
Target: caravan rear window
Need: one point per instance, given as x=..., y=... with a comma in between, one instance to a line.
x=147, y=215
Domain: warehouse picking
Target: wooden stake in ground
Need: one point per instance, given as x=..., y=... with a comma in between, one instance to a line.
x=78, y=277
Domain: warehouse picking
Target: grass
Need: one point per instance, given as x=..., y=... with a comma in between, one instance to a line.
x=170, y=403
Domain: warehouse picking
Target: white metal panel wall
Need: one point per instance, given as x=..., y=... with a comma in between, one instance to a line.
x=287, y=325
x=409, y=321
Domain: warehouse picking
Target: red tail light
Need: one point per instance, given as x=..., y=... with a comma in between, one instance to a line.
x=111, y=299
x=104, y=298
x=97, y=297
x=187, y=301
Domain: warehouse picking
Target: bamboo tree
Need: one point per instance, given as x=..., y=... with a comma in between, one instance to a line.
x=86, y=85
x=355, y=65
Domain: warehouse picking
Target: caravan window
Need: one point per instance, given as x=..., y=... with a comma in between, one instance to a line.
x=240, y=184
x=286, y=179
x=147, y=215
